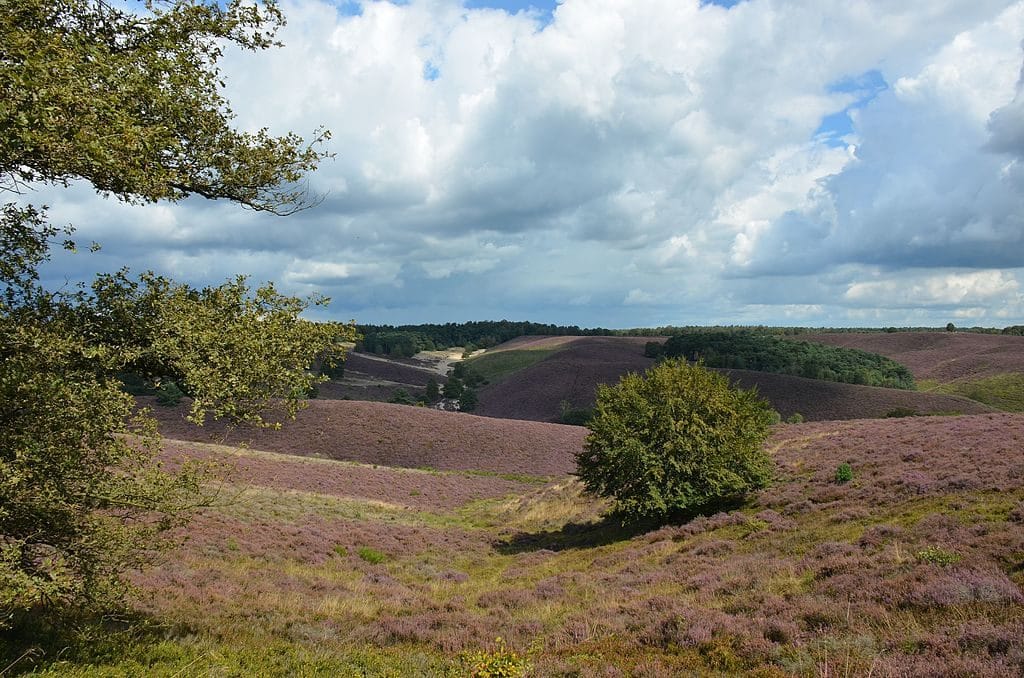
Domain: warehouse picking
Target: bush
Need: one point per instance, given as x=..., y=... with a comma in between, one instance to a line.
x=937, y=556
x=575, y=416
x=432, y=393
x=168, y=394
x=677, y=439
x=795, y=418
x=453, y=388
x=401, y=397
x=370, y=555
x=468, y=401
x=844, y=473
x=501, y=662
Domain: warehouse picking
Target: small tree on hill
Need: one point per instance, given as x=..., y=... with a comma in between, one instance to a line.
x=453, y=388
x=468, y=400
x=432, y=392
x=675, y=439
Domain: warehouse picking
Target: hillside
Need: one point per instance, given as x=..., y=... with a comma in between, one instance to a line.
x=818, y=400
x=570, y=375
x=320, y=567
x=573, y=374
x=988, y=368
x=397, y=435
x=936, y=356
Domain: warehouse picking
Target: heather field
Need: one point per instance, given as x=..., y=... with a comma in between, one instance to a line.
x=313, y=566
x=818, y=400
x=987, y=368
x=571, y=375
x=937, y=356
x=397, y=435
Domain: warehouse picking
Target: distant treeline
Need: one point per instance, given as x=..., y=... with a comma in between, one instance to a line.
x=670, y=330
x=407, y=340
x=751, y=350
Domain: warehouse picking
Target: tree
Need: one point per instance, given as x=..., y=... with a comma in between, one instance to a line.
x=950, y=327
x=676, y=439
x=129, y=102
x=432, y=392
x=468, y=400
x=453, y=388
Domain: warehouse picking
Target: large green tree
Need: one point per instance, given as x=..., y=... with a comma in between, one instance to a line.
x=127, y=97
x=676, y=439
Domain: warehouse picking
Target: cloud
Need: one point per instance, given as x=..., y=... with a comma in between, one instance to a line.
x=927, y=186
x=979, y=288
x=580, y=165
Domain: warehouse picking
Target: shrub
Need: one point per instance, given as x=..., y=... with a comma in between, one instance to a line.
x=401, y=397
x=432, y=393
x=372, y=556
x=844, y=473
x=937, y=556
x=468, y=401
x=795, y=418
x=500, y=662
x=575, y=416
x=899, y=412
x=678, y=438
x=453, y=388
x=654, y=349
x=168, y=394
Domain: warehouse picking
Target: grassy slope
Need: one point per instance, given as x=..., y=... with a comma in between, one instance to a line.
x=498, y=366
x=914, y=567
x=1003, y=391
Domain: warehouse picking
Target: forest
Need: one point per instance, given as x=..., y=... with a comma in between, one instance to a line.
x=750, y=350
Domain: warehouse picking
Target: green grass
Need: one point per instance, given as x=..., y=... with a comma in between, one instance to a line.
x=372, y=556
x=1003, y=391
x=496, y=367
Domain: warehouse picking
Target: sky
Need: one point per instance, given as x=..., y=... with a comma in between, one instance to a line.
x=622, y=163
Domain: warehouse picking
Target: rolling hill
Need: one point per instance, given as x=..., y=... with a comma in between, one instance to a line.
x=397, y=435
x=324, y=567
x=573, y=374
x=937, y=356
x=987, y=368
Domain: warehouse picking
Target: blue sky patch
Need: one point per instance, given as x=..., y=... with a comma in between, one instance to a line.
x=431, y=71
x=866, y=87
x=349, y=7
x=869, y=82
x=546, y=8
x=721, y=3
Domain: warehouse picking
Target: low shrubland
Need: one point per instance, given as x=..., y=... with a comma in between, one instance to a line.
x=911, y=567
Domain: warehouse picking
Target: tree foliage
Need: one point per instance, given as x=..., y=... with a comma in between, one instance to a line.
x=676, y=439
x=131, y=102
x=79, y=500
x=749, y=350
x=128, y=101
